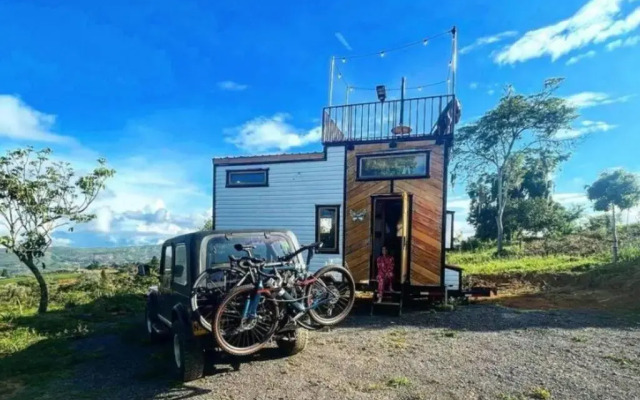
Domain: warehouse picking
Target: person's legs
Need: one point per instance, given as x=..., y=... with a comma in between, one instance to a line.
x=388, y=283
x=380, y=287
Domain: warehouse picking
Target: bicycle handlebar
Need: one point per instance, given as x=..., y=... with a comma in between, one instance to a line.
x=290, y=257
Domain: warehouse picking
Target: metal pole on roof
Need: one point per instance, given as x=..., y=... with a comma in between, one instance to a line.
x=331, y=68
x=454, y=59
x=402, y=88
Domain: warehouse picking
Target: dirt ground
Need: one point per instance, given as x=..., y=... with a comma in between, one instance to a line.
x=479, y=351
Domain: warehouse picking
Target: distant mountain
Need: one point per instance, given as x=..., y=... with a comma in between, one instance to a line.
x=70, y=257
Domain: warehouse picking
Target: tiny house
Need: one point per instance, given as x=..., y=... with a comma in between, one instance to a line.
x=380, y=180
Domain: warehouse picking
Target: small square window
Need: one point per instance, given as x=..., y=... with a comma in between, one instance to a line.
x=328, y=228
x=248, y=178
x=179, y=271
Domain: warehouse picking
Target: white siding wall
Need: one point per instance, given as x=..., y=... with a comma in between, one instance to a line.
x=452, y=279
x=289, y=202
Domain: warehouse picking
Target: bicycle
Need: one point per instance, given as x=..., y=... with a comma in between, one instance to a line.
x=249, y=315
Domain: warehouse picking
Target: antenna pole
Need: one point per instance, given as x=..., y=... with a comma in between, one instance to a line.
x=454, y=59
x=402, y=88
x=333, y=64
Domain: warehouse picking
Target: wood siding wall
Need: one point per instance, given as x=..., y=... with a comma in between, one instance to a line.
x=426, y=217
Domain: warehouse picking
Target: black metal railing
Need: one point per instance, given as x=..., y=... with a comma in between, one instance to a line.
x=423, y=116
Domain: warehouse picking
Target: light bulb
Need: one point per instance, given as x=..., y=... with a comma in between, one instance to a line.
x=382, y=54
x=425, y=42
x=339, y=76
x=344, y=60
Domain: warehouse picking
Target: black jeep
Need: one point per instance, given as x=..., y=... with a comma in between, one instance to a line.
x=170, y=305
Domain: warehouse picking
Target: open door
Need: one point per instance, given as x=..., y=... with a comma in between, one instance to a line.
x=406, y=204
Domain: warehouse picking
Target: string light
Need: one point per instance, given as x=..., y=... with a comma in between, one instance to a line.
x=344, y=60
x=423, y=41
x=339, y=76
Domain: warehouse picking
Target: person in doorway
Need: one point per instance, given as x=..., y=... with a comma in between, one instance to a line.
x=385, y=264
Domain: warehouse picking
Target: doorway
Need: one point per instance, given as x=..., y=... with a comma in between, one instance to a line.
x=390, y=214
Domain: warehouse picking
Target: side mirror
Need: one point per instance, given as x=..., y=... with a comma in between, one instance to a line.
x=238, y=247
x=177, y=271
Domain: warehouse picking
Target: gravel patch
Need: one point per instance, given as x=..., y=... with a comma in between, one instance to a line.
x=475, y=352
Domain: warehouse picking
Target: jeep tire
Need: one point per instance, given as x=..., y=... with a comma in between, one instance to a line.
x=188, y=353
x=294, y=342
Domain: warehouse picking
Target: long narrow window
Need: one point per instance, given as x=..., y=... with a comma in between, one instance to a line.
x=328, y=228
x=403, y=165
x=248, y=178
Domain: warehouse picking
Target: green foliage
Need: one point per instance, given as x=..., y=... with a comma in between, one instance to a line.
x=398, y=381
x=208, y=225
x=38, y=196
x=520, y=127
x=4, y=273
x=540, y=394
x=34, y=347
x=617, y=188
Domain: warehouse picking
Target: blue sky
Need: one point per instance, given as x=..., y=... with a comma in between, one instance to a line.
x=160, y=87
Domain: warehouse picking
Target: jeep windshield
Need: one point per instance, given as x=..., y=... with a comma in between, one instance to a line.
x=274, y=245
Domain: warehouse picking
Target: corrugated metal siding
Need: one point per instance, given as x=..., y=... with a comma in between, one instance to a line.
x=289, y=202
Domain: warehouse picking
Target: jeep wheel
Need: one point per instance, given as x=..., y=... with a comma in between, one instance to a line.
x=188, y=354
x=293, y=342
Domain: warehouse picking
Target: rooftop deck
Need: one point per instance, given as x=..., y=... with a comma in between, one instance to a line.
x=424, y=116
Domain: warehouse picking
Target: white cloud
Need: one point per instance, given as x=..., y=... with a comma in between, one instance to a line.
x=490, y=92
x=584, y=128
x=591, y=99
x=19, y=121
x=575, y=59
x=628, y=42
x=232, y=86
x=61, y=242
x=343, y=41
x=485, y=40
x=273, y=133
x=571, y=198
x=596, y=22
x=473, y=85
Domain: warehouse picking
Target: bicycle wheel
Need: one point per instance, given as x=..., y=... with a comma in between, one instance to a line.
x=240, y=335
x=331, y=296
x=210, y=288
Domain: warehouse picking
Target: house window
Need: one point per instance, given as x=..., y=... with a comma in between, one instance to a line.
x=404, y=165
x=180, y=266
x=248, y=178
x=328, y=228
x=448, y=239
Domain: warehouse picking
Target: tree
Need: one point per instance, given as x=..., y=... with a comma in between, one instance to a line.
x=4, y=273
x=614, y=189
x=38, y=196
x=154, y=264
x=519, y=126
x=208, y=225
x=530, y=208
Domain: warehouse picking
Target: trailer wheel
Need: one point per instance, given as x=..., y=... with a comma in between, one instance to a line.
x=293, y=342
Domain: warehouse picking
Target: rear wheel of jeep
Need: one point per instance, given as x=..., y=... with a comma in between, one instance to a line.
x=188, y=354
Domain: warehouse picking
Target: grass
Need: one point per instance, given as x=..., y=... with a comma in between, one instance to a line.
x=38, y=348
x=540, y=393
x=398, y=381
x=485, y=263
x=397, y=339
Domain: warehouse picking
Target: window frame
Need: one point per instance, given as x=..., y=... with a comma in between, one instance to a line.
x=324, y=250
x=186, y=266
x=265, y=171
x=427, y=173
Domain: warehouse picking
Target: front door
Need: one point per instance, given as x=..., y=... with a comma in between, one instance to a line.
x=390, y=229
